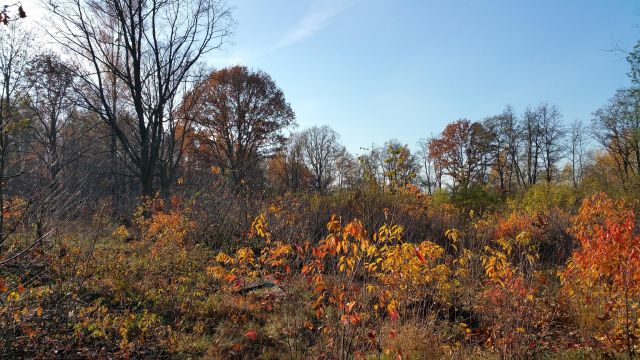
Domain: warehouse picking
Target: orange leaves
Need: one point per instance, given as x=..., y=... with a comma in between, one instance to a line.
x=605, y=228
x=604, y=273
x=350, y=319
x=161, y=226
x=355, y=229
x=518, y=227
x=334, y=224
x=350, y=306
x=305, y=269
x=358, y=280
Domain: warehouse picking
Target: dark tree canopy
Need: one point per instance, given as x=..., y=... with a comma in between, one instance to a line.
x=242, y=114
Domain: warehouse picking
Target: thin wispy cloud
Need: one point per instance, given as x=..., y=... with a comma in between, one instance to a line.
x=313, y=21
x=317, y=17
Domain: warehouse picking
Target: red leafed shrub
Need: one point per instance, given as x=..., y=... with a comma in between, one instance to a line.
x=602, y=279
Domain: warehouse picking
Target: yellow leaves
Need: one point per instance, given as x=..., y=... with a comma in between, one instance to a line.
x=259, y=227
x=13, y=296
x=523, y=238
x=244, y=255
x=371, y=250
x=224, y=258
x=216, y=271
x=120, y=233
x=506, y=245
x=347, y=264
x=452, y=234
x=496, y=265
x=389, y=234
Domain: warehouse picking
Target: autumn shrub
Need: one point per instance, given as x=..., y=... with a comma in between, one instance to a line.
x=113, y=297
x=220, y=215
x=357, y=281
x=518, y=303
x=546, y=197
x=475, y=197
x=602, y=277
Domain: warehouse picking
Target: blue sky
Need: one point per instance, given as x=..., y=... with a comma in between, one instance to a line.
x=381, y=69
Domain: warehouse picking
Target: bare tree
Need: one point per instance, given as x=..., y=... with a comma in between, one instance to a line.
x=513, y=141
x=577, y=149
x=322, y=150
x=616, y=127
x=15, y=51
x=530, y=130
x=347, y=170
x=552, y=133
x=287, y=170
x=51, y=103
x=159, y=42
x=180, y=132
x=10, y=12
x=51, y=106
x=428, y=167
x=504, y=148
x=498, y=146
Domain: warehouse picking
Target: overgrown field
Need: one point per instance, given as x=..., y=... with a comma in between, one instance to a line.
x=350, y=276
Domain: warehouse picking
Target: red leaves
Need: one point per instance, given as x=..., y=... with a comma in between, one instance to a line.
x=393, y=314
x=251, y=335
x=606, y=228
x=419, y=255
x=605, y=270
